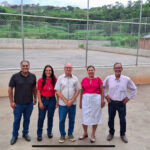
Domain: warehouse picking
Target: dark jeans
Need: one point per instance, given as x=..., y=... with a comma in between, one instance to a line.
x=121, y=108
x=49, y=105
x=63, y=111
x=26, y=111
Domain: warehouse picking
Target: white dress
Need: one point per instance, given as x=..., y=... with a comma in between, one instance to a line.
x=91, y=109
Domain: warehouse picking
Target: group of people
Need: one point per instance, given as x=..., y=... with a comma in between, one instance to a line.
x=62, y=93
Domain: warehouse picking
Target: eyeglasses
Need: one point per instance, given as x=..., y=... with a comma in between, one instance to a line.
x=68, y=67
x=25, y=65
x=118, y=68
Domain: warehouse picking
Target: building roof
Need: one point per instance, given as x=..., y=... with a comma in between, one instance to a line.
x=146, y=36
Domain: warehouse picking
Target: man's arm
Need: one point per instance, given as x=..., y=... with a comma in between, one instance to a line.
x=131, y=86
x=34, y=95
x=59, y=94
x=10, y=94
x=58, y=91
x=77, y=89
x=105, y=86
x=70, y=102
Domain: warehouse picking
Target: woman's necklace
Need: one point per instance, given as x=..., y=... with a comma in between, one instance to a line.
x=48, y=85
x=91, y=80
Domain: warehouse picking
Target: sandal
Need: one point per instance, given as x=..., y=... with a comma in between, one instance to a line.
x=93, y=140
x=83, y=137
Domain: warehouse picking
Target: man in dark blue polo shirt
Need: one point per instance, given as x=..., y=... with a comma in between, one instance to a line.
x=24, y=85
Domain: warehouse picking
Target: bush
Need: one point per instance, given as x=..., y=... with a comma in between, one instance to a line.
x=81, y=46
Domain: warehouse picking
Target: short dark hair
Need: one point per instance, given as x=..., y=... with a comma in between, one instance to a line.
x=117, y=64
x=90, y=67
x=24, y=61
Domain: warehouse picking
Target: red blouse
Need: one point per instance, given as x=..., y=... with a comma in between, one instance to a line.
x=48, y=89
x=93, y=87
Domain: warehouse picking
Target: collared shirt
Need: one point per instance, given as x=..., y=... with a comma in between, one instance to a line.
x=67, y=86
x=23, y=87
x=118, y=89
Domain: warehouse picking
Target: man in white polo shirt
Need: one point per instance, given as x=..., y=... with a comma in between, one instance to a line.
x=67, y=88
x=117, y=97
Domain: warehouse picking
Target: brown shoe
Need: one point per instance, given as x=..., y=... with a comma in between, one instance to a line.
x=109, y=137
x=124, y=139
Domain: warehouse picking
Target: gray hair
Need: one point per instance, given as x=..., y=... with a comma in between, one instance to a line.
x=117, y=64
x=24, y=61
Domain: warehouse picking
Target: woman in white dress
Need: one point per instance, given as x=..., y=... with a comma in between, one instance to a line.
x=91, y=102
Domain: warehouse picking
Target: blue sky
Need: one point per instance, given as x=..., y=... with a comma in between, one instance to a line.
x=74, y=3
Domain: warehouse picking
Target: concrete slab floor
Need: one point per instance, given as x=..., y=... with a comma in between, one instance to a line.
x=57, y=58
x=138, y=127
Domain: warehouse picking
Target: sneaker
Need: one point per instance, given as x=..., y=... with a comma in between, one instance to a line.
x=62, y=139
x=124, y=139
x=71, y=138
x=109, y=137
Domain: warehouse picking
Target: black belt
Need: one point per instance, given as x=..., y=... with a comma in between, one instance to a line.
x=47, y=97
x=117, y=101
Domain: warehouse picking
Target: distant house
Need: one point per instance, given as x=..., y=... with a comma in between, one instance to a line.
x=5, y=4
x=144, y=42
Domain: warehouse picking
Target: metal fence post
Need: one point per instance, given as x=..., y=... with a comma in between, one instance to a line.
x=22, y=27
x=139, y=33
x=87, y=28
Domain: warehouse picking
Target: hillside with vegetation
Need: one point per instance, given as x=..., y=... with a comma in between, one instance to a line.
x=122, y=35
x=106, y=12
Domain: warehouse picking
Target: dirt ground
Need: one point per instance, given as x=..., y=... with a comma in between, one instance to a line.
x=138, y=127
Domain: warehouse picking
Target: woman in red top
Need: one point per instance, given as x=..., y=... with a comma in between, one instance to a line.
x=47, y=101
x=91, y=102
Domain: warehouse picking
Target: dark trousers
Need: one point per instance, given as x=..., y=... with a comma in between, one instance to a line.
x=26, y=111
x=63, y=111
x=114, y=106
x=50, y=105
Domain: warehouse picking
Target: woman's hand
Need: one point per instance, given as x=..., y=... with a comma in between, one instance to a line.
x=80, y=105
x=57, y=104
x=41, y=105
x=102, y=104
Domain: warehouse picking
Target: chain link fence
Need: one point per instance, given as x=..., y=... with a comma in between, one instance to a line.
x=113, y=37
x=97, y=31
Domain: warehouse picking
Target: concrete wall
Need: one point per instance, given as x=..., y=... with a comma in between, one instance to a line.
x=140, y=75
x=12, y=43
x=118, y=50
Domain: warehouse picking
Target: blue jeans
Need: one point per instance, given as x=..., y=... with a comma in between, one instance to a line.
x=63, y=111
x=121, y=108
x=26, y=111
x=50, y=105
